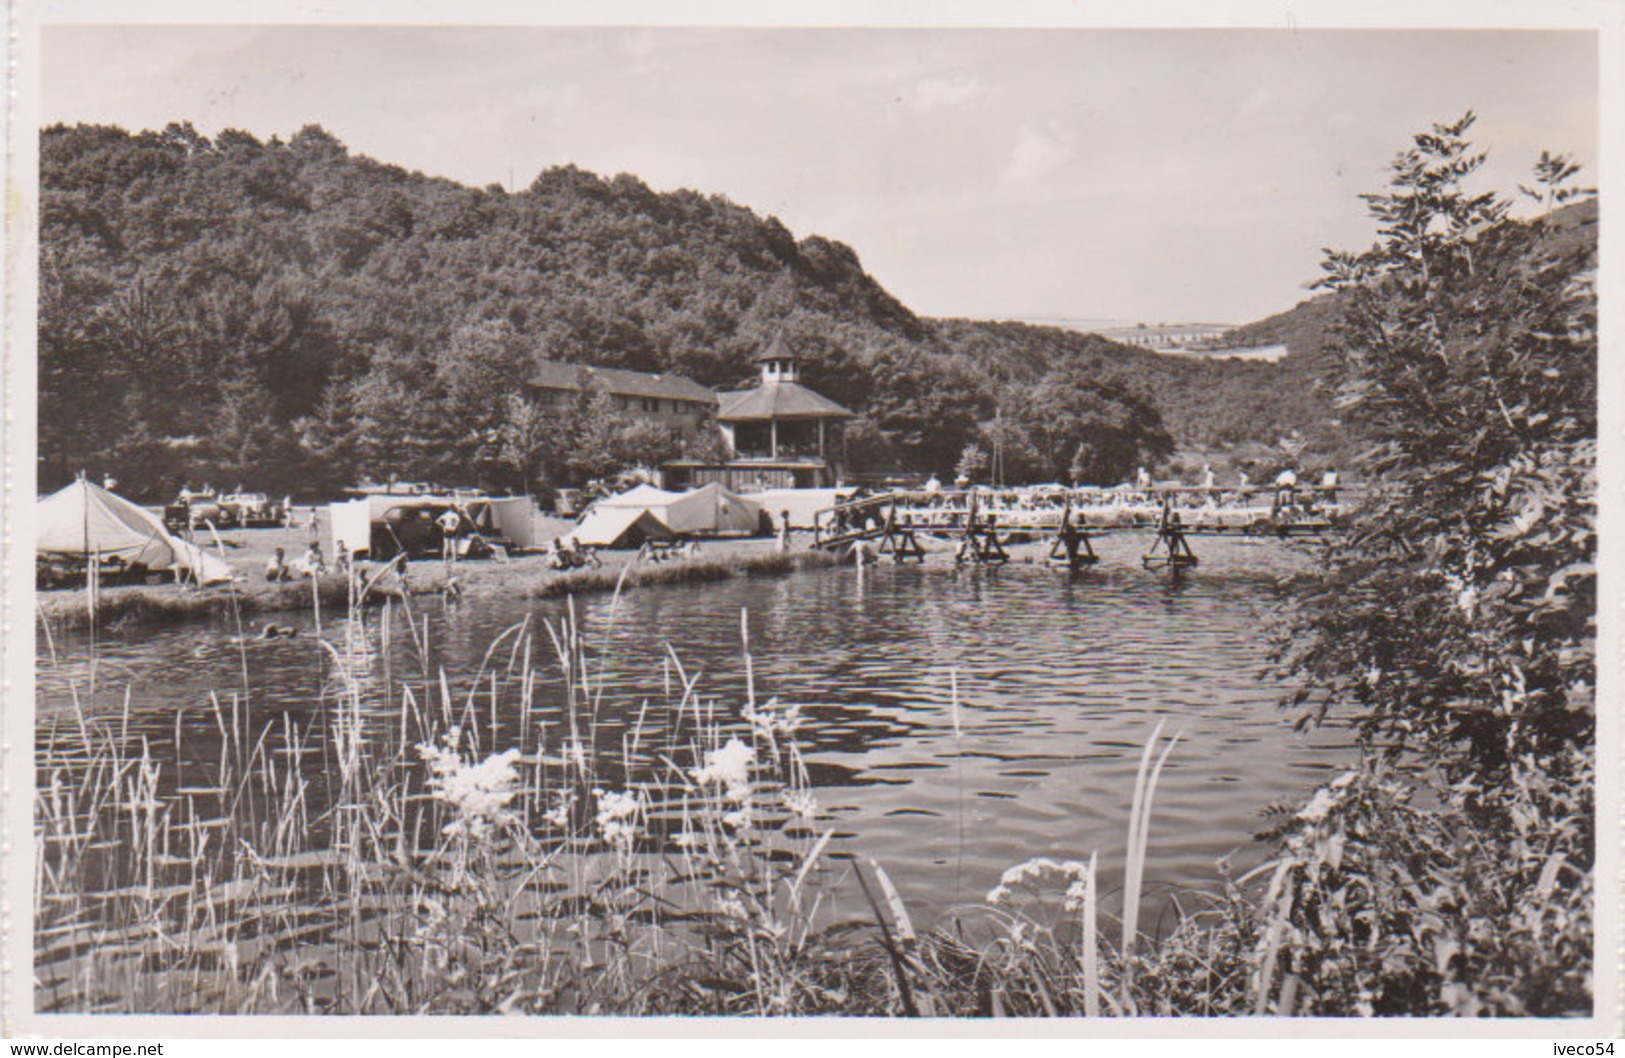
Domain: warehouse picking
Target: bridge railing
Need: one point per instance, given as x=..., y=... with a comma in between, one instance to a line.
x=1259, y=508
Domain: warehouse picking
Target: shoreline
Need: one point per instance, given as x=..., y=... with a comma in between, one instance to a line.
x=528, y=575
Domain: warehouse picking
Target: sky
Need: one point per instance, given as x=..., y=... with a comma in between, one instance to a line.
x=1135, y=175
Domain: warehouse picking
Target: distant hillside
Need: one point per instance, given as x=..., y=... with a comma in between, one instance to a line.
x=290, y=315
x=1308, y=328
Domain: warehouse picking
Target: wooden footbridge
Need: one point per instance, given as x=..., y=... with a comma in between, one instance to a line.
x=982, y=523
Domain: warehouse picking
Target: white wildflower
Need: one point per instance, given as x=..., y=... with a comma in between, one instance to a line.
x=617, y=817
x=479, y=792
x=1077, y=894
x=801, y=803
x=770, y=721
x=728, y=767
x=1035, y=870
x=559, y=814
x=740, y=819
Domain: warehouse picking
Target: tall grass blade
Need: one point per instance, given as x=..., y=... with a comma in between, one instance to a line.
x=1091, y=953
x=893, y=953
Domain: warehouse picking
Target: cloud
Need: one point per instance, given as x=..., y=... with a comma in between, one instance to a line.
x=554, y=100
x=1038, y=152
x=933, y=92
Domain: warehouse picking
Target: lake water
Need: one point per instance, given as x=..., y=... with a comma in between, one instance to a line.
x=1061, y=680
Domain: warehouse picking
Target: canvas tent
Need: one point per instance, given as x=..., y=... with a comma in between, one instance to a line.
x=711, y=509
x=514, y=519
x=802, y=504
x=618, y=527
x=85, y=520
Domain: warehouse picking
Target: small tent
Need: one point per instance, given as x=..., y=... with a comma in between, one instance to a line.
x=620, y=527
x=84, y=520
x=803, y=505
x=710, y=509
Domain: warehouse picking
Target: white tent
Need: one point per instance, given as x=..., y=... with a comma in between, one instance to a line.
x=802, y=504
x=620, y=527
x=84, y=520
x=519, y=521
x=516, y=519
x=710, y=509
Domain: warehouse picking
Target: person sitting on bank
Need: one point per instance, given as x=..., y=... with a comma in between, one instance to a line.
x=276, y=570
x=312, y=564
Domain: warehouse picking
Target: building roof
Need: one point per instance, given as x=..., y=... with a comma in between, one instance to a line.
x=778, y=400
x=777, y=349
x=555, y=374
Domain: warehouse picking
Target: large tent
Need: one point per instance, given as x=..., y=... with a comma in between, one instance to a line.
x=85, y=520
x=620, y=527
x=710, y=509
x=515, y=519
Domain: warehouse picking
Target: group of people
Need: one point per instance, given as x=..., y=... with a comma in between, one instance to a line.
x=567, y=552
x=311, y=564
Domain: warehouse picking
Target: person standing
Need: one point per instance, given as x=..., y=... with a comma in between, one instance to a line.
x=784, y=531
x=449, y=522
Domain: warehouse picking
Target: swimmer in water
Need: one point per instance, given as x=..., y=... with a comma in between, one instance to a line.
x=274, y=631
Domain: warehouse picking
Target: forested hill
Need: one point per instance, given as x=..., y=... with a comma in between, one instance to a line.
x=289, y=315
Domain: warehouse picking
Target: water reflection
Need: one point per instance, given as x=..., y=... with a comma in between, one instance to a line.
x=1060, y=680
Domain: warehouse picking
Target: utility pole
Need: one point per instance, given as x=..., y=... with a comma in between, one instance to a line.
x=998, y=445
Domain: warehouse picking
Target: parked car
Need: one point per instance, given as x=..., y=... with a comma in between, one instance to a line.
x=251, y=509
x=195, y=507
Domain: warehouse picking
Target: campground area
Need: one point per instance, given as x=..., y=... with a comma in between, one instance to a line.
x=248, y=551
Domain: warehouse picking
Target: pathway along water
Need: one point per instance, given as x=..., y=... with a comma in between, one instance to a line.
x=1060, y=680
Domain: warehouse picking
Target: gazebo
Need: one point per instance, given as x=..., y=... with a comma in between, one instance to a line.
x=780, y=427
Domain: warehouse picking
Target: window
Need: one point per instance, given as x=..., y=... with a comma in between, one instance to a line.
x=651, y=403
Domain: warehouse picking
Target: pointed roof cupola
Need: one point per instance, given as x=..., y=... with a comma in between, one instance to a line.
x=778, y=362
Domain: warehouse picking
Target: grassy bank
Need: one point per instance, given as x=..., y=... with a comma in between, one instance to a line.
x=529, y=574
x=664, y=853
x=681, y=571
x=675, y=862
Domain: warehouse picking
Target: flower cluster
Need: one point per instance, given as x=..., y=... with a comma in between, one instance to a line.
x=617, y=817
x=728, y=767
x=479, y=792
x=801, y=803
x=1035, y=870
x=771, y=721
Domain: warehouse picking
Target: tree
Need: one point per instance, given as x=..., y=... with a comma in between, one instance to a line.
x=927, y=409
x=525, y=430
x=1458, y=616
x=973, y=463
x=1088, y=428
x=1456, y=619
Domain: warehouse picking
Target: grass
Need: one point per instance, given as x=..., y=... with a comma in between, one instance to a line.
x=681, y=571
x=666, y=856
x=169, y=604
x=667, y=862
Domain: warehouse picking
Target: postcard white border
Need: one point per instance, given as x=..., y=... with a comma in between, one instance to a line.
x=1606, y=17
